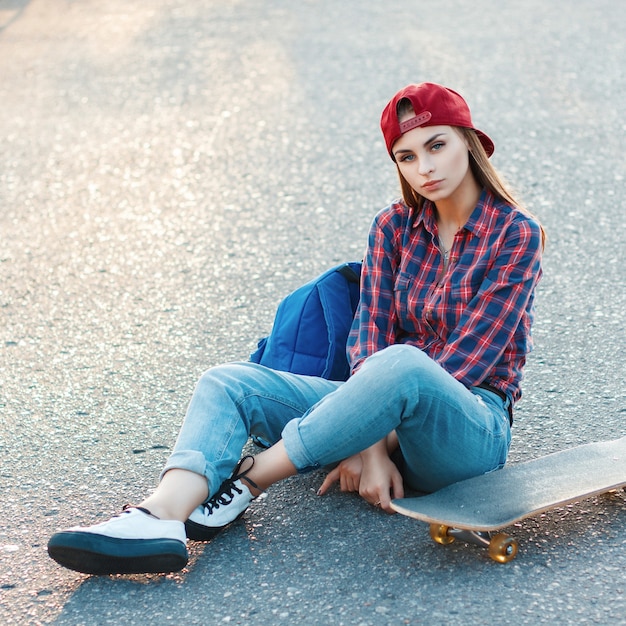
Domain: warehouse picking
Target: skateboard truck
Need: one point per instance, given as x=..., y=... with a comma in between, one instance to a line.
x=501, y=547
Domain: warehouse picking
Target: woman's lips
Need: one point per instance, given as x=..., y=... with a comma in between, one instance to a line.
x=431, y=185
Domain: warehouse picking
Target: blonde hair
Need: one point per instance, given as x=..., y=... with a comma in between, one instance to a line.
x=485, y=174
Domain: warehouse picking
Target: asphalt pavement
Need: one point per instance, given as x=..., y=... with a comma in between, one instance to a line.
x=169, y=170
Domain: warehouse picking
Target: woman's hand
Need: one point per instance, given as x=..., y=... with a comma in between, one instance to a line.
x=348, y=473
x=372, y=473
x=380, y=481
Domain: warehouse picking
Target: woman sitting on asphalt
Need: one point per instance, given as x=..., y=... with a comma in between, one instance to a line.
x=436, y=351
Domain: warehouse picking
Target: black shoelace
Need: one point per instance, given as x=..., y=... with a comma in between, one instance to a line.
x=223, y=497
x=226, y=494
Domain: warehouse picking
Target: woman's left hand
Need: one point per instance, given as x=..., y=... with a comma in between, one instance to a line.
x=379, y=480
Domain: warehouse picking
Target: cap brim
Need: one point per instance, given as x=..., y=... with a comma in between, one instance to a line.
x=488, y=145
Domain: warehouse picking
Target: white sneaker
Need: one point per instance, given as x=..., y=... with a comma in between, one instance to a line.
x=133, y=542
x=227, y=505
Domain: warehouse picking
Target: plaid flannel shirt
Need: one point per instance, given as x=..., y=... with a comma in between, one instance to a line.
x=474, y=318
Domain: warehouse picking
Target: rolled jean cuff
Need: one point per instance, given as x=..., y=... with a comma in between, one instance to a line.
x=190, y=460
x=295, y=449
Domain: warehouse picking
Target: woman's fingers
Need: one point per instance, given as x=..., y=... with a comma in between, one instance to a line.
x=331, y=478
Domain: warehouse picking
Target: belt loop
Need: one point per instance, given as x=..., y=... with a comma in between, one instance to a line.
x=508, y=405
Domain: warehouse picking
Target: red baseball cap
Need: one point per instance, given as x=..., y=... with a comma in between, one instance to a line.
x=434, y=105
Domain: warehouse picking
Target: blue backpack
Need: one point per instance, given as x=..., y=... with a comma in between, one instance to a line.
x=312, y=324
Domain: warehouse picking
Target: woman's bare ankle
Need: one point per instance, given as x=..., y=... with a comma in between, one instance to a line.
x=157, y=510
x=177, y=495
x=270, y=466
x=254, y=489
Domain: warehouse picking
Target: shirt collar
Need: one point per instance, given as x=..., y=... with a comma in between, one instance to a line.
x=477, y=224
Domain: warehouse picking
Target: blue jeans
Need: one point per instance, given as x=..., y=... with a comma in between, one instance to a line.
x=446, y=432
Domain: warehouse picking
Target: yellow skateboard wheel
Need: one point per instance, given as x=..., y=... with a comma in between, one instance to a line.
x=502, y=548
x=439, y=534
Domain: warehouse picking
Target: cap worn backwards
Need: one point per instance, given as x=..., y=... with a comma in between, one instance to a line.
x=434, y=105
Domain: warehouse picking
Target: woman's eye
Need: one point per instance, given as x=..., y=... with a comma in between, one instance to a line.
x=407, y=157
x=437, y=146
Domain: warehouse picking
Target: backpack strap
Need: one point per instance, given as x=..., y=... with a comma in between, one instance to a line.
x=349, y=273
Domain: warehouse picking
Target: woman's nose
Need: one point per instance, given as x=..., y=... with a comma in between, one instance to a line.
x=425, y=166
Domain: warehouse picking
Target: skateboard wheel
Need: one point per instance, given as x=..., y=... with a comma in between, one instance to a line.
x=502, y=548
x=439, y=534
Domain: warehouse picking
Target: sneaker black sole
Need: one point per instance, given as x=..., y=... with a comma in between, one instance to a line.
x=90, y=553
x=200, y=532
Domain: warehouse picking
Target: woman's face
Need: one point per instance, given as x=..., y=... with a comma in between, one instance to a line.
x=434, y=160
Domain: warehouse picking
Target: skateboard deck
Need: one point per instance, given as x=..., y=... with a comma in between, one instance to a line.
x=472, y=508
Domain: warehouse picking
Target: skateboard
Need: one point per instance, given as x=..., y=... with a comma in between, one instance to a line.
x=472, y=509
